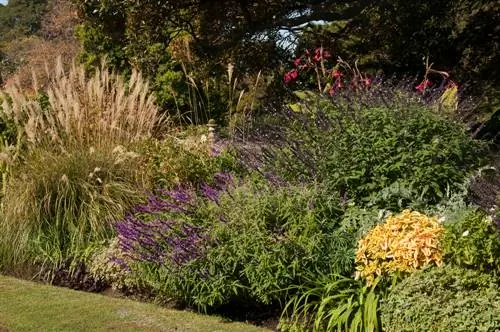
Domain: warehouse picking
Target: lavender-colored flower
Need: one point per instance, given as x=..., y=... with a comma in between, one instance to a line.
x=210, y=192
x=223, y=180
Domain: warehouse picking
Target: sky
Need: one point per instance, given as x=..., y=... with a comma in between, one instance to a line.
x=4, y=2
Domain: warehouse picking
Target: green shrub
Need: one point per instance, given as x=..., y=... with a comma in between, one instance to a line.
x=243, y=244
x=443, y=299
x=360, y=220
x=472, y=241
x=383, y=147
x=189, y=159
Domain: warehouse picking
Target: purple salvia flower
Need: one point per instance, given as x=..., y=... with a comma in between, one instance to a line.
x=210, y=193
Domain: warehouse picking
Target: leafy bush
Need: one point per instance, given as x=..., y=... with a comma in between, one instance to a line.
x=382, y=147
x=227, y=243
x=404, y=243
x=472, y=241
x=110, y=265
x=332, y=302
x=190, y=159
x=443, y=299
x=360, y=220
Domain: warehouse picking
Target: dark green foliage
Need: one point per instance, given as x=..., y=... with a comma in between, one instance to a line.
x=382, y=147
x=97, y=46
x=441, y=300
x=460, y=37
x=472, y=241
x=485, y=189
x=20, y=18
x=221, y=29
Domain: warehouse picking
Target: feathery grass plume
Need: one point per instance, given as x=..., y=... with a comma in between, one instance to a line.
x=80, y=110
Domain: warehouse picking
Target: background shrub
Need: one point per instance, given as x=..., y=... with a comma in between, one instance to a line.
x=443, y=299
x=188, y=159
x=384, y=147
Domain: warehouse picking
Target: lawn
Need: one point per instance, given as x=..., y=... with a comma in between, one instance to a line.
x=28, y=306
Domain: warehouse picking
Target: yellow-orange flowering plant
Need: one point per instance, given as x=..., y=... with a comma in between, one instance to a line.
x=404, y=243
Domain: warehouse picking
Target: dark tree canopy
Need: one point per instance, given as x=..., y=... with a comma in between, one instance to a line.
x=393, y=36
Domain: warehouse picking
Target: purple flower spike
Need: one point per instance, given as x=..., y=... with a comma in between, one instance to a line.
x=210, y=193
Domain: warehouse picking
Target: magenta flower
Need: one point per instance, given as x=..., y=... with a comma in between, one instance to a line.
x=291, y=75
x=423, y=85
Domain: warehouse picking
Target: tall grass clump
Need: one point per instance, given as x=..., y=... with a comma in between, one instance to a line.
x=58, y=204
x=75, y=168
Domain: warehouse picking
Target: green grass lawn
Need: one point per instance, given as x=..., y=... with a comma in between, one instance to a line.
x=28, y=306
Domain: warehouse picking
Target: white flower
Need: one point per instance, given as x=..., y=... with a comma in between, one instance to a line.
x=203, y=138
x=466, y=233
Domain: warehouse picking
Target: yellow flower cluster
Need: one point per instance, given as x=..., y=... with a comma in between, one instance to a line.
x=404, y=243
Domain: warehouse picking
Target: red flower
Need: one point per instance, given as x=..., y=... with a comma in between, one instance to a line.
x=423, y=85
x=291, y=75
x=336, y=73
x=317, y=57
x=297, y=62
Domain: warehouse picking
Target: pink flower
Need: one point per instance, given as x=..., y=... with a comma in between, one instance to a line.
x=331, y=91
x=451, y=84
x=423, y=85
x=297, y=62
x=291, y=75
x=321, y=54
x=368, y=81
